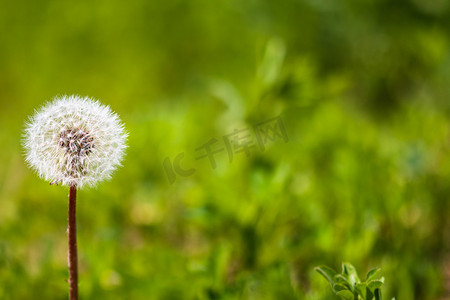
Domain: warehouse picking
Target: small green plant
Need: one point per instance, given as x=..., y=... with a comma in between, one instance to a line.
x=348, y=286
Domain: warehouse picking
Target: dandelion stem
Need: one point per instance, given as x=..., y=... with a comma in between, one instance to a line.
x=73, y=256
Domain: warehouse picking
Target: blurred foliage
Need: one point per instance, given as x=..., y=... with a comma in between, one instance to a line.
x=362, y=88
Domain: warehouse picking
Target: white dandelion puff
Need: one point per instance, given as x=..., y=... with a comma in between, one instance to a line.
x=74, y=141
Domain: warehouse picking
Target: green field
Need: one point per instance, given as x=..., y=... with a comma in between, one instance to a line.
x=329, y=124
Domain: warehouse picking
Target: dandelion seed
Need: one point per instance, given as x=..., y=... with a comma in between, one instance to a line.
x=74, y=141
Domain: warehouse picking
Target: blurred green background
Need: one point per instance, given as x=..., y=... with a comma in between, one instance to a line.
x=362, y=88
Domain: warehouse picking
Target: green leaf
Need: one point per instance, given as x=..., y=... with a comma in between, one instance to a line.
x=339, y=278
x=337, y=287
x=373, y=274
x=327, y=272
x=349, y=270
x=375, y=284
x=346, y=295
x=361, y=289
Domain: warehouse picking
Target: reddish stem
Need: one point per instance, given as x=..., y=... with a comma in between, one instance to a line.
x=73, y=255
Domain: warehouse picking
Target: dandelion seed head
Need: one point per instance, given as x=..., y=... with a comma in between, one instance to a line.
x=74, y=141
